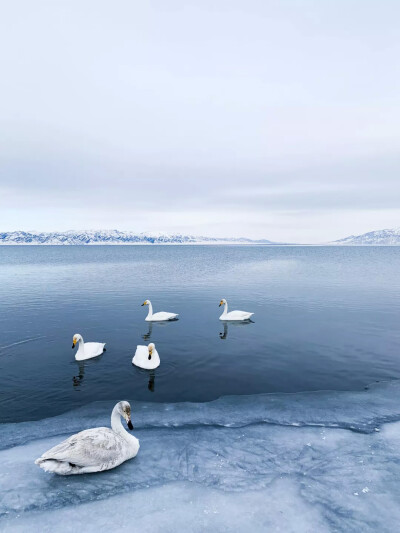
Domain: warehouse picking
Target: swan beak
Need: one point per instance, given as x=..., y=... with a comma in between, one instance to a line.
x=144, y=303
x=220, y=303
x=73, y=343
x=130, y=425
x=150, y=354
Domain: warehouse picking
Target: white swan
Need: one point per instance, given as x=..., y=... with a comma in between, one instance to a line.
x=93, y=450
x=233, y=315
x=146, y=357
x=88, y=350
x=160, y=316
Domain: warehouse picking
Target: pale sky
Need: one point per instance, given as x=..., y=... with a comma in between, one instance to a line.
x=276, y=119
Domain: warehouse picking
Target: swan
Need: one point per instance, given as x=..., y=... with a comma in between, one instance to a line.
x=93, y=450
x=233, y=315
x=146, y=357
x=88, y=350
x=158, y=317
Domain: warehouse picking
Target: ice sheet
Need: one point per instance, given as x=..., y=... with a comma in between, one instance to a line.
x=323, y=462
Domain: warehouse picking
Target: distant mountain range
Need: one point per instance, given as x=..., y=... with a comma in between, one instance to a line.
x=114, y=237
x=384, y=237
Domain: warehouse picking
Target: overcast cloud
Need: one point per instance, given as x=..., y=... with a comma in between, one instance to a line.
x=259, y=118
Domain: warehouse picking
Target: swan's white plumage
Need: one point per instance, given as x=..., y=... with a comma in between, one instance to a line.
x=86, y=350
x=233, y=315
x=93, y=450
x=141, y=357
x=161, y=316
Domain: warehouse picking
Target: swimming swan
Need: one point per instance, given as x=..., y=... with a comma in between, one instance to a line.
x=88, y=350
x=233, y=315
x=146, y=357
x=93, y=450
x=158, y=317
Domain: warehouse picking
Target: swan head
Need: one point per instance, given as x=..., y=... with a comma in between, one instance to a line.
x=151, y=347
x=146, y=302
x=76, y=338
x=222, y=302
x=124, y=409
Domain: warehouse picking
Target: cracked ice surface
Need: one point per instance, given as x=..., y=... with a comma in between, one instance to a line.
x=309, y=462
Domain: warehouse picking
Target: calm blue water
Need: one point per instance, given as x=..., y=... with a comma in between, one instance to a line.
x=325, y=318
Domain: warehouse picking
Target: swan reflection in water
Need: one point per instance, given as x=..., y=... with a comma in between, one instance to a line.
x=234, y=323
x=152, y=376
x=78, y=379
x=147, y=336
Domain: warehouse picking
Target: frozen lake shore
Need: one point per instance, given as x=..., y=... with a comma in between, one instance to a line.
x=322, y=461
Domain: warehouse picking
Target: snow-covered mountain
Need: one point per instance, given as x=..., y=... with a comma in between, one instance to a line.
x=114, y=237
x=383, y=237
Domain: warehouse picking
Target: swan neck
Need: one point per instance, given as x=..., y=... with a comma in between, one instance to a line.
x=81, y=345
x=150, y=314
x=225, y=308
x=116, y=424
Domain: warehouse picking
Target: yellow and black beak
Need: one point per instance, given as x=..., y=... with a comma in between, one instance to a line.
x=128, y=420
x=221, y=303
x=144, y=303
x=73, y=343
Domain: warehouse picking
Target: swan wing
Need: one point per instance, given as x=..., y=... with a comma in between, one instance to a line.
x=239, y=315
x=91, y=447
x=141, y=355
x=245, y=314
x=162, y=315
x=141, y=352
x=94, y=348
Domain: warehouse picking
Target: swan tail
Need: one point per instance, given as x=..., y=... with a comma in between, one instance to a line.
x=63, y=468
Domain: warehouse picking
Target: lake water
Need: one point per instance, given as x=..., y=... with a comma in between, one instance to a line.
x=325, y=318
